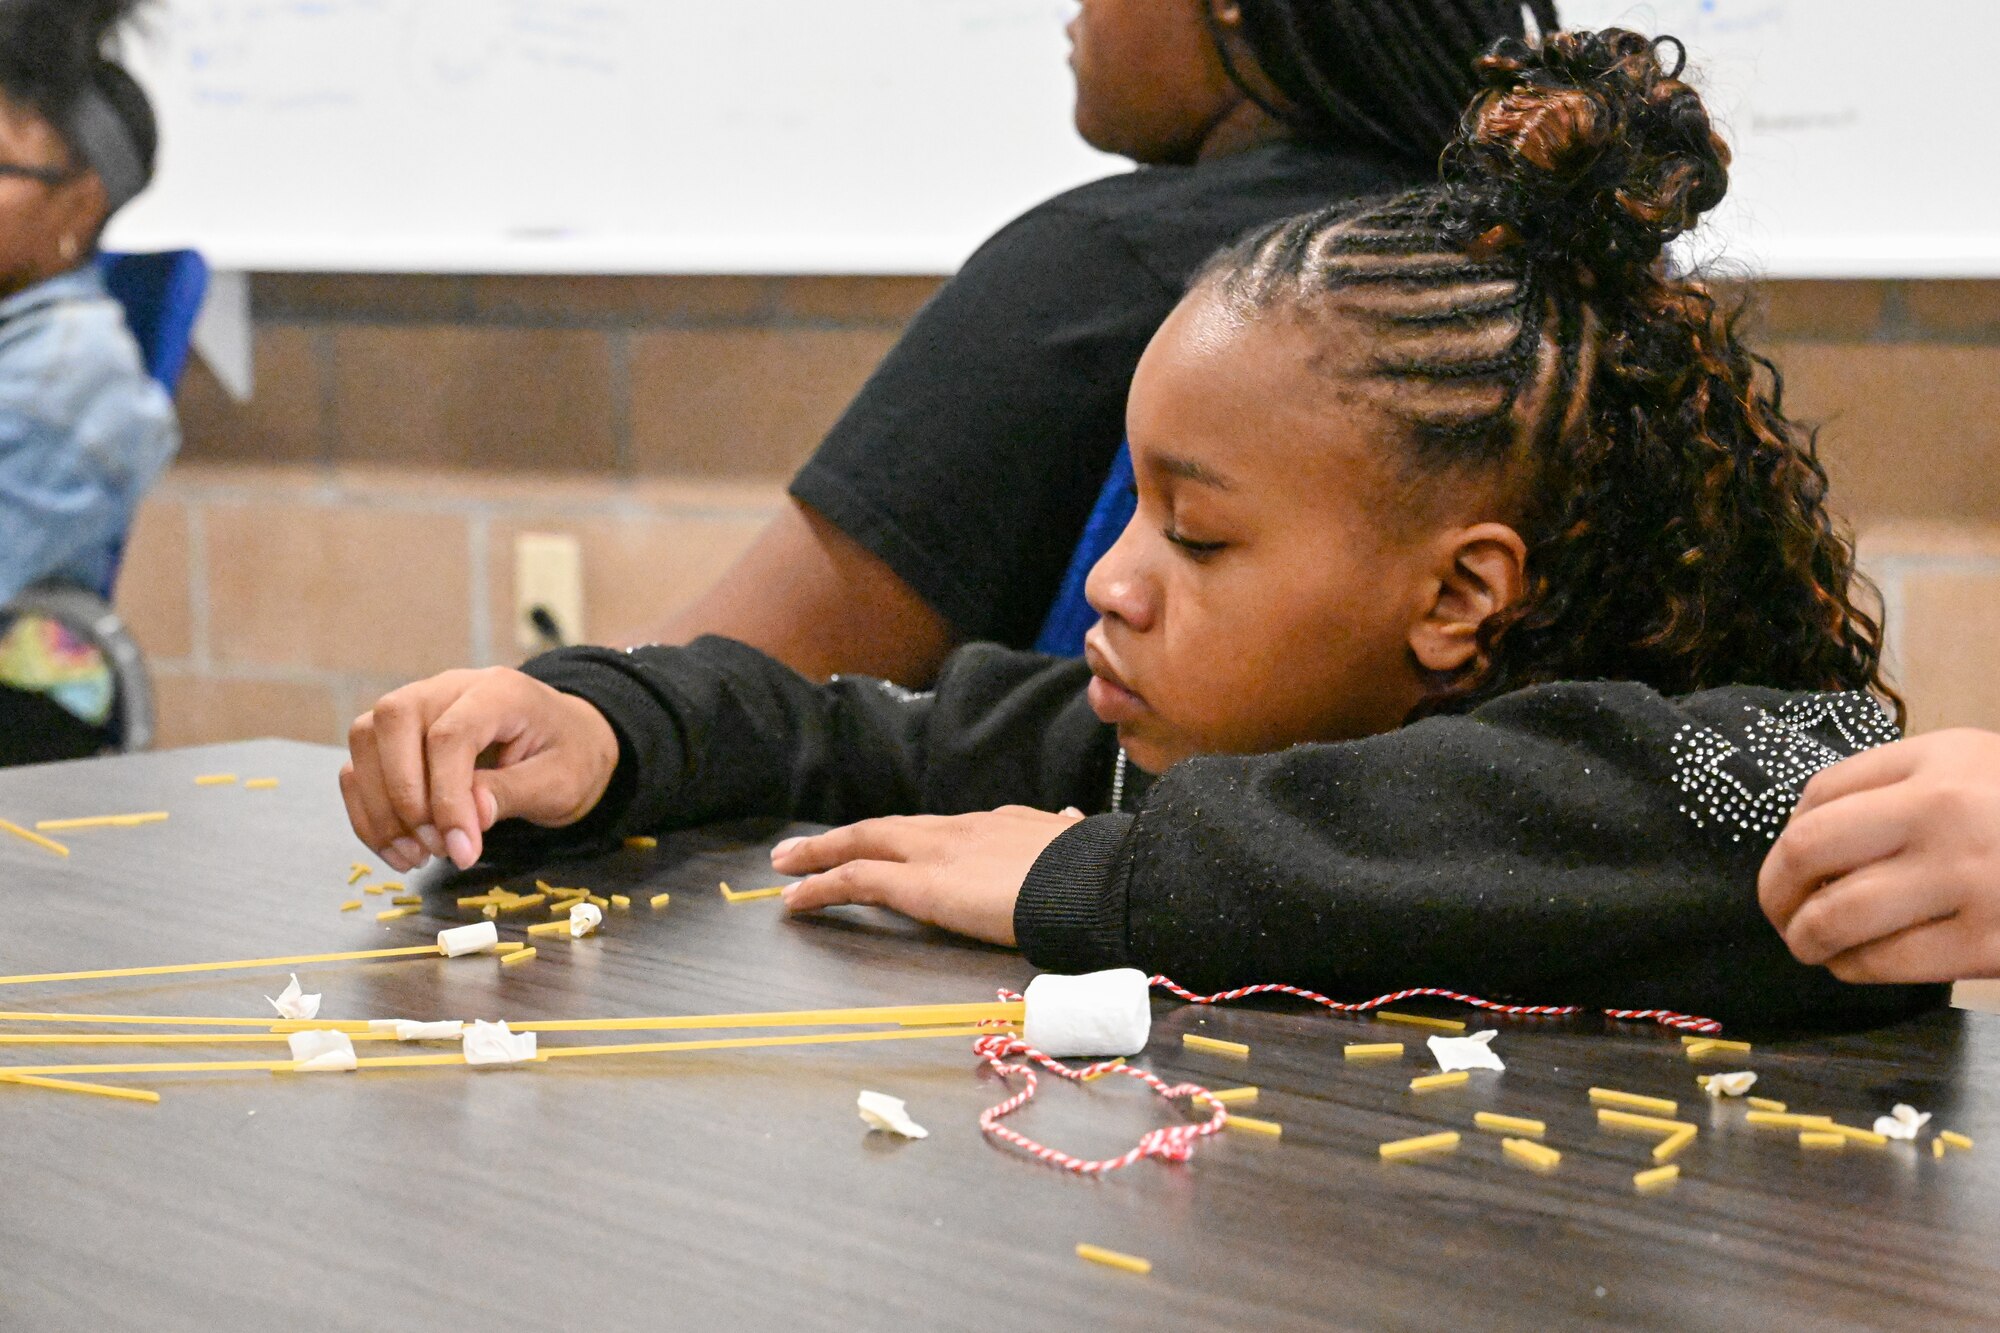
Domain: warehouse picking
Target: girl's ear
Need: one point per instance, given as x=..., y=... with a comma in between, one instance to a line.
x=1480, y=572
x=78, y=214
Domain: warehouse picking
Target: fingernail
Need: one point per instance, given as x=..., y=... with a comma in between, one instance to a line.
x=412, y=854
x=393, y=859
x=791, y=892
x=784, y=847
x=459, y=844
x=428, y=836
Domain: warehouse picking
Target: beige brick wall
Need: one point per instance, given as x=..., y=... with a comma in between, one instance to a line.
x=353, y=525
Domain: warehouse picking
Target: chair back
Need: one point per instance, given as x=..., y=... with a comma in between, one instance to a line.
x=1070, y=615
x=62, y=648
x=162, y=295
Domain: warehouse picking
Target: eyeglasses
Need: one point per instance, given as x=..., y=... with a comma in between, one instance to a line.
x=46, y=175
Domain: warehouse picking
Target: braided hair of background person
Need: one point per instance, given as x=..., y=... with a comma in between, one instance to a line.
x=1524, y=327
x=1393, y=75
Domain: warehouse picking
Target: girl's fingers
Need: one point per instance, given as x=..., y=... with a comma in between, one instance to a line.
x=400, y=719
x=1834, y=840
x=452, y=745
x=1874, y=903
x=891, y=838
x=1879, y=767
x=362, y=822
x=1949, y=950
x=374, y=821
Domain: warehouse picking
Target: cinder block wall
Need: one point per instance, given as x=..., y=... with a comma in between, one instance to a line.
x=352, y=527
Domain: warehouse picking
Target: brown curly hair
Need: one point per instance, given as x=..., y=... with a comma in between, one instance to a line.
x=1524, y=323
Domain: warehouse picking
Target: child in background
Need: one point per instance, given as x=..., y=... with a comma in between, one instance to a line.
x=1479, y=622
x=84, y=430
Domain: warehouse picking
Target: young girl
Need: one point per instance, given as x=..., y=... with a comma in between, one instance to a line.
x=1479, y=622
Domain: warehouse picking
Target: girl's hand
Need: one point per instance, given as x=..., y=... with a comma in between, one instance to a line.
x=435, y=764
x=961, y=872
x=1890, y=867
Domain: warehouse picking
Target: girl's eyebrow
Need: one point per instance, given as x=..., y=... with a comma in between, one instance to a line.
x=1187, y=469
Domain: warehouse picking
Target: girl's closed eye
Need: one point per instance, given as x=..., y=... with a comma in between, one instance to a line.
x=1195, y=549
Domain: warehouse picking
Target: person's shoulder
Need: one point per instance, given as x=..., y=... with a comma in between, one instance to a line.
x=1846, y=721
x=1171, y=218
x=1283, y=170
x=68, y=360
x=72, y=319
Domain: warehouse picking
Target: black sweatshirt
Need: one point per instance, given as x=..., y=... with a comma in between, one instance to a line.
x=1590, y=843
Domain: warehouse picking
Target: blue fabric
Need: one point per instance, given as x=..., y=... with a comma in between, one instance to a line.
x=84, y=430
x=1070, y=615
x=162, y=294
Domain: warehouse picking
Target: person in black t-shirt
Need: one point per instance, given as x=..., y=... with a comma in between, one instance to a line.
x=944, y=505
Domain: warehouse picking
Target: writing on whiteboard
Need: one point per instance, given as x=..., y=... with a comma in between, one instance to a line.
x=301, y=55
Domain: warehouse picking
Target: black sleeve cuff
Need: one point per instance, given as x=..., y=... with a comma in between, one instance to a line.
x=1071, y=914
x=635, y=718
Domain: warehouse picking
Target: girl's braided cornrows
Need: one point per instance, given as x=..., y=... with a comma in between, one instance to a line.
x=1522, y=325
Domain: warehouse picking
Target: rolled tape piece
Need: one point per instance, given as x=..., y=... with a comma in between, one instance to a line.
x=584, y=918
x=475, y=938
x=883, y=1112
x=1099, y=1013
x=450, y=1029
x=495, y=1044
x=322, y=1051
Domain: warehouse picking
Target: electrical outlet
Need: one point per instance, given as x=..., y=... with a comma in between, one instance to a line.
x=548, y=573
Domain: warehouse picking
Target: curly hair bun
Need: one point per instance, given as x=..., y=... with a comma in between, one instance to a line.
x=1588, y=150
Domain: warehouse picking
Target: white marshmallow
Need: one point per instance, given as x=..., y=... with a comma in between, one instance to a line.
x=494, y=1044
x=322, y=1051
x=1099, y=1013
x=584, y=918
x=475, y=938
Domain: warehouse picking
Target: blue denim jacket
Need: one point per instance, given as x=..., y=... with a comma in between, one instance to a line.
x=83, y=432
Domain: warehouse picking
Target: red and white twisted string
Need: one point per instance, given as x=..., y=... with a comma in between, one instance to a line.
x=1664, y=1017
x=1176, y=1143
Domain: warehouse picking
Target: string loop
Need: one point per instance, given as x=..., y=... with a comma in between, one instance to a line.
x=1009, y=1056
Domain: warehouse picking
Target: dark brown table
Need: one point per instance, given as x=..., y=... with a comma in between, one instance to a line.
x=739, y=1189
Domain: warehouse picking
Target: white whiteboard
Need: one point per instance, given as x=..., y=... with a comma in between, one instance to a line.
x=1858, y=129
x=891, y=136
x=603, y=135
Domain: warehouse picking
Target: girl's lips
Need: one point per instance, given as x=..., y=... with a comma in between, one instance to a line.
x=1113, y=703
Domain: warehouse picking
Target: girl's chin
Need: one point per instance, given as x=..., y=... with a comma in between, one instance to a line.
x=1147, y=752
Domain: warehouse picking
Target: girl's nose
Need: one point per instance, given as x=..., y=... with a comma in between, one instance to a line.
x=1118, y=588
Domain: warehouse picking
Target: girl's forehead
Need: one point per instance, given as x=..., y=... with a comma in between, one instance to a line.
x=1264, y=390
